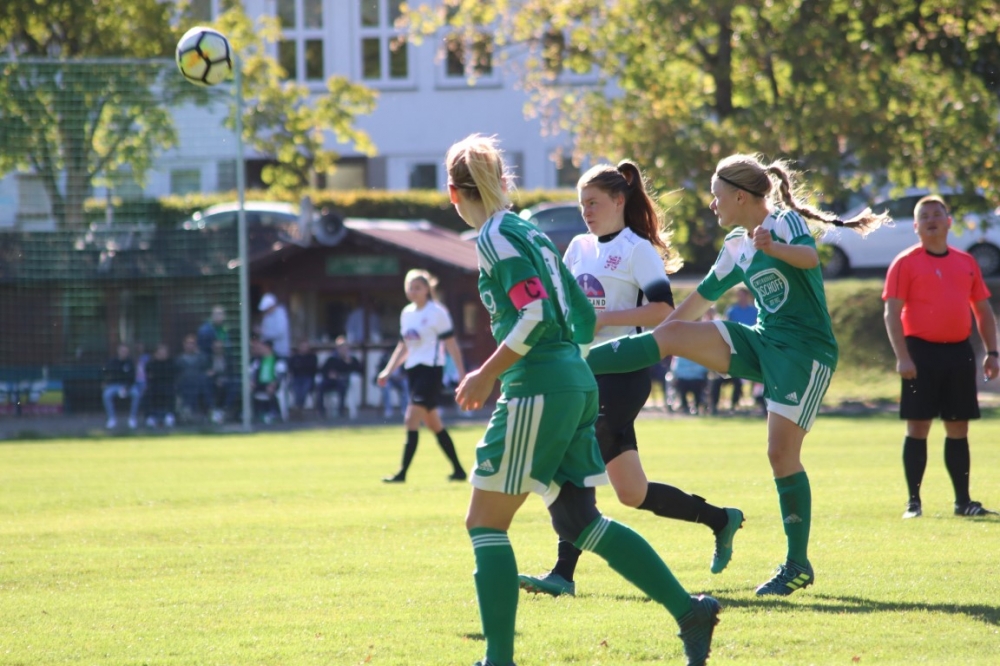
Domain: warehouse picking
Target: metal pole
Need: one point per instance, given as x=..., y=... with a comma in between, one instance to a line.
x=241, y=229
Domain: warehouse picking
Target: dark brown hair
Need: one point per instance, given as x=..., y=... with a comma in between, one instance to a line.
x=642, y=215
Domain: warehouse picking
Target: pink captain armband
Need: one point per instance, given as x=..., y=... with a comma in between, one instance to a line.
x=527, y=291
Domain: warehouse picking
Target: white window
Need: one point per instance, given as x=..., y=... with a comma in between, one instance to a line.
x=301, y=50
x=384, y=53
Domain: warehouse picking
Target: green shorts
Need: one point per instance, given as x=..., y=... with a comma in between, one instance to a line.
x=537, y=443
x=794, y=381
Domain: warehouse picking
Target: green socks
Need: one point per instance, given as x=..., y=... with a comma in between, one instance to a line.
x=631, y=556
x=497, y=590
x=624, y=354
x=795, y=500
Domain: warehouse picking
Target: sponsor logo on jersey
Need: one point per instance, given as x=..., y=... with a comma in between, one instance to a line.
x=593, y=290
x=771, y=288
x=486, y=296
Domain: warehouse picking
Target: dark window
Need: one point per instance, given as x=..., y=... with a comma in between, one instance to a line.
x=313, y=11
x=423, y=177
x=314, y=59
x=370, y=58
x=567, y=174
x=287, y=59
x=398, y=66
x=286, y=13
x=369, y=13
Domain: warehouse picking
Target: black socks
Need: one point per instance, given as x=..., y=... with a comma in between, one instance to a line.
x=670, y=502
x=958, y=462
x=914, y=464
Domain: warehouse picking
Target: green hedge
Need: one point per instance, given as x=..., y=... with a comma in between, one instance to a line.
x=430, y=205
x=696, y=233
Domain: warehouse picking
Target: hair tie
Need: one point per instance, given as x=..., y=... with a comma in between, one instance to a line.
x=738, y=186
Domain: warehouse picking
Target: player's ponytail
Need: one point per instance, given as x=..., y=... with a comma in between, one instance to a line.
x=750, y=174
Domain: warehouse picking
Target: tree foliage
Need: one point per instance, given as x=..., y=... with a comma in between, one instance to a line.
x=81, y=98
x=857, y=92
x=71, y=124
x=281, y=118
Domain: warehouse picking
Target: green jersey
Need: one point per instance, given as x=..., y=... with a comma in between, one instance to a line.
x=511, y=251
x=791, y=301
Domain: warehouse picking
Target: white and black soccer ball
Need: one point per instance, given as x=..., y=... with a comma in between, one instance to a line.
x=204, y=56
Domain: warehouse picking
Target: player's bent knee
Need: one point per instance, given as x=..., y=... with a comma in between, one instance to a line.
x=573, y=511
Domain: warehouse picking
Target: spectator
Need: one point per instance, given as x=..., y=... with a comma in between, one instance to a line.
x=141, y=359
x=192, y=380
x=266, y=373
x=742, y=311
x=658, y=377
x=119, y=381
x=336, y=372
x=302, y=369
x=689, y=378
x=396, y=381
x=161, y=391
x=212, y=330
x=224, y=386
x=274, y=326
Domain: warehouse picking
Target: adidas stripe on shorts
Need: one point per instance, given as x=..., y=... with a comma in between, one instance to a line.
x=537, y=443
x=794, y=381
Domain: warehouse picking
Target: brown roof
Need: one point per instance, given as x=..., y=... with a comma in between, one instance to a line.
x=421, y=237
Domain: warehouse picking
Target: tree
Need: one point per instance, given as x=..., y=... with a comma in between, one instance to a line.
x=858, y=92
x=72, y=123
x=81, y=97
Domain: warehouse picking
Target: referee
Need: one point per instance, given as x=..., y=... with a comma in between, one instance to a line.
x=928, y=293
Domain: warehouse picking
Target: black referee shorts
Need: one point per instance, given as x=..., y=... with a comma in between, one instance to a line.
x=622, y=397
x=945, y=385
x=426, y=385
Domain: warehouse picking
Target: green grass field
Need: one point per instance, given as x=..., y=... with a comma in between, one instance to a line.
x=286, y=549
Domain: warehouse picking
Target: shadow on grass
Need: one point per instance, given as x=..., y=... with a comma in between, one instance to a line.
x=828, y=603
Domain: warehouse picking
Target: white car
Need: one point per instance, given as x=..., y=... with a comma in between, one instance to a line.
x=975, y=229
x=270, y=221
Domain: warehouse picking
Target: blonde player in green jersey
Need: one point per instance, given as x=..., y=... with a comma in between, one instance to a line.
x=792, y=349
x=541, y=435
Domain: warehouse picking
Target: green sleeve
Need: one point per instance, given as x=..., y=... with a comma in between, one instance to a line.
x=581, y=311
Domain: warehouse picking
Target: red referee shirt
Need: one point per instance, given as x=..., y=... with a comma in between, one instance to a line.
x=937, y=293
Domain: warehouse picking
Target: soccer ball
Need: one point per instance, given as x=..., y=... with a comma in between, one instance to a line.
x=204, y=56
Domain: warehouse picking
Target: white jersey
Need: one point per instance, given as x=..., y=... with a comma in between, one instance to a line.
x=422, y=332
x=274, y=327
x=616, y=275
